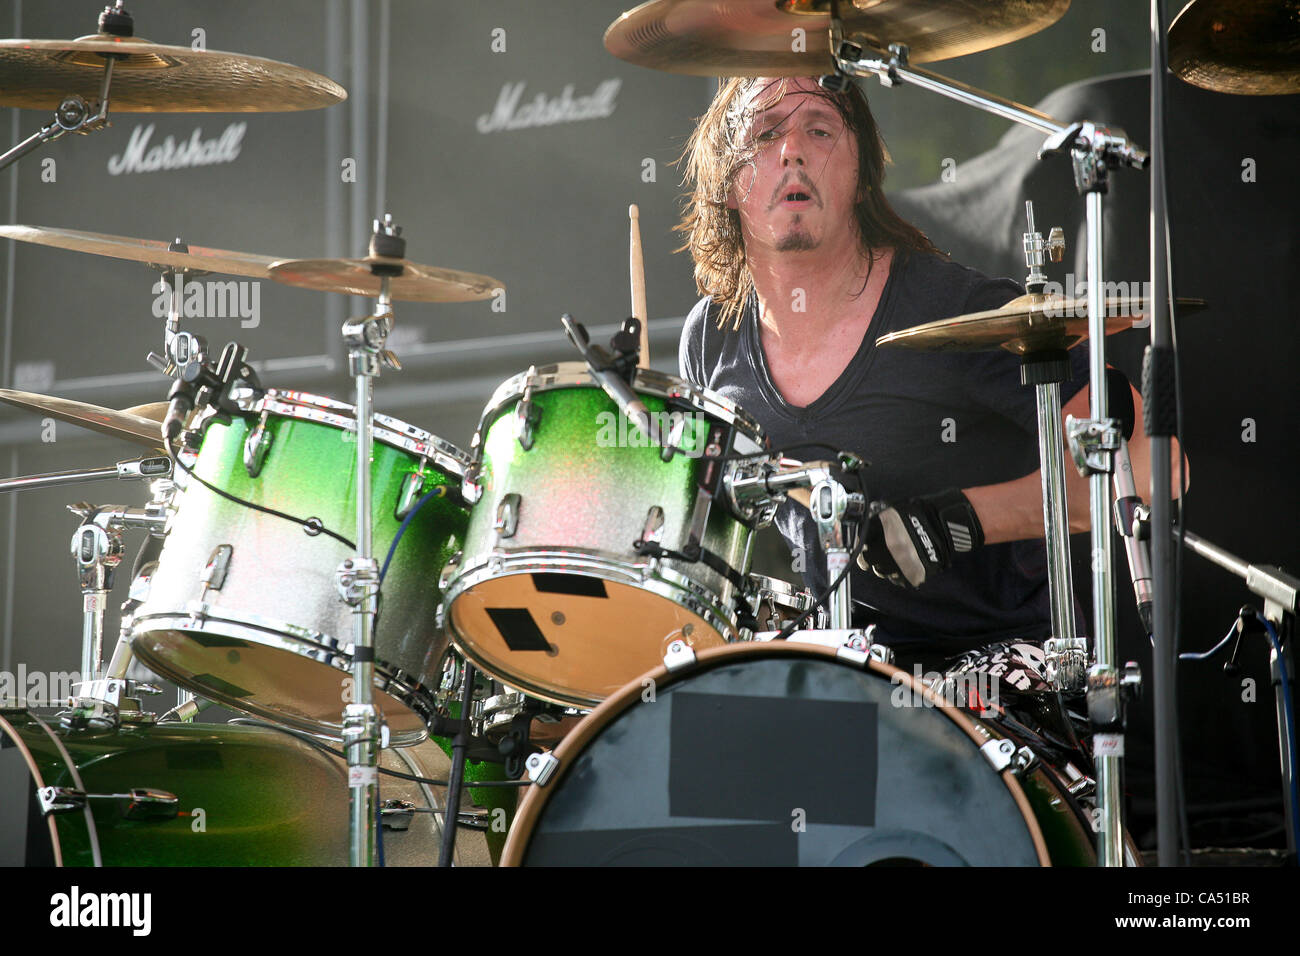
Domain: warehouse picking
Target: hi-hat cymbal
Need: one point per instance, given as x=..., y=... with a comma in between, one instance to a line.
x=154, y=411
x=152, y=78
x=1249, y=47
x=127, y=425
x=757, y=38
x=415, y=283
x=1030, y=323
x=152, y=251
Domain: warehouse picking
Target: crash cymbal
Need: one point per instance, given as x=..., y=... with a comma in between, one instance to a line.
x=1031, y=323
x=754, y=37
x=152, y=251
x=152, y=78
x=126, y=425
x=415, y=283
x=1249, y=47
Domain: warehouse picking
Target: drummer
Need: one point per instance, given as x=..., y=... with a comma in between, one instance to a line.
x=803, y=264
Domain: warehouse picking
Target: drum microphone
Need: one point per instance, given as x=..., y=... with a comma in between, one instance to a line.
x=605, y=375
x=1119, y=398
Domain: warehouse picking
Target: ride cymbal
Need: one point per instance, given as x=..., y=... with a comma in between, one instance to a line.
x=1030, y=323
x=151, y=251
x=756, y=37
x=152, y=78
x=1248, y=47
x=125, y=425
x=408, y=281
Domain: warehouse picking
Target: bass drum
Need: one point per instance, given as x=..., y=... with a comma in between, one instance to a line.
x=247, y=796
x=784, y=754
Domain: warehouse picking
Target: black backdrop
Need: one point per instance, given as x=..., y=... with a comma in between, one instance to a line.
x=543, y=210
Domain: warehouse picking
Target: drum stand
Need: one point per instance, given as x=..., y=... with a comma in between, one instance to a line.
x=1281, y=594
x=358, y=577
x=1094, y=151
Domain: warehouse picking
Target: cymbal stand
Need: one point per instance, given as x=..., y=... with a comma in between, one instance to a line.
x=1065, y=655
x=97, y=547
x=183, y=352
x=358, y=577
x=1094, y=151
x=74, y=115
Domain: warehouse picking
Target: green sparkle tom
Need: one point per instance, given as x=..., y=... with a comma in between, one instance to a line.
x=244, y=606
x=577, y=573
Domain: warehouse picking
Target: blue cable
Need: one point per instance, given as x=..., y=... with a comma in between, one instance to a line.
x=1206, y=655
x=1290, y=721
x=438, y=491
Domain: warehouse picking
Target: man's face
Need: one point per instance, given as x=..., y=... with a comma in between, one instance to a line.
x=799, y=191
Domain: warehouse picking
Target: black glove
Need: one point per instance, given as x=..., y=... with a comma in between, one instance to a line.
x=909, y=542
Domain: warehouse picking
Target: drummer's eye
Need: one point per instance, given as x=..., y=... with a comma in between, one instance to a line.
x=766, y=135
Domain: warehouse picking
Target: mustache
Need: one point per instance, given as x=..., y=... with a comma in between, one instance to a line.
x=798, y=183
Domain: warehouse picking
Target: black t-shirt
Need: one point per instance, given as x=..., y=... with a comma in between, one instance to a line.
x=926, y=421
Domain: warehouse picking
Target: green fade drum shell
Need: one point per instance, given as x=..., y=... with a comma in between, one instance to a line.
x=274, y=640
x=251, y=796
x=550, y=594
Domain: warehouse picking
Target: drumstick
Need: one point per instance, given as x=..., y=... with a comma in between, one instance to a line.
x=637, y=269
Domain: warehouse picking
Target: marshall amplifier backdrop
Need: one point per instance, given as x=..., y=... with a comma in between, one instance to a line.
x=505, y=141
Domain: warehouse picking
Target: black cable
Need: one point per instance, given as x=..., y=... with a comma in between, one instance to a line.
x=310, y=526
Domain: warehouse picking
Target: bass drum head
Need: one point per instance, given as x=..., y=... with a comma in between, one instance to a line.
x=784, y=755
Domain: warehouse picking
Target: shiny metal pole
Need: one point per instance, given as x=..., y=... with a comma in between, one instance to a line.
x=1104, y=677
x=359, y=586
x=1056, y=519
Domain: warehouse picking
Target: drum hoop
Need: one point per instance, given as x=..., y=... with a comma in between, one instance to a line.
x=398, y=684
x=35, y=769
x=535, y=800
x=564, y=375
x=666, y=583
x=304, y=406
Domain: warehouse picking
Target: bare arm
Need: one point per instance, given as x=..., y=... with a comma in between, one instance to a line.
x=1013, y=510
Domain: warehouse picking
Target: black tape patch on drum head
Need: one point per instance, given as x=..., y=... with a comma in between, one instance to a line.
x=773, y=758
x=550, y=582
x=518, y=629
x=744, y=844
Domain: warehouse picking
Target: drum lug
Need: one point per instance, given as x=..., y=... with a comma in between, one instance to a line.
x=1002, y=755
x=1081, y=785
x=256, y=446
x=412, y=486
x=679, y=655
x=357, y=577
x=540, y=767
x=396, y=814
x=653, y=530
x=527, y=414
x=507, y=519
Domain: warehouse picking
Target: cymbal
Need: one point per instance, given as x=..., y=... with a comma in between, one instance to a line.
x=154, y=411
x=1030, y=323
x=416, y=283
x=152, y=78
x=754, y=37
x=127, y=425
x=1249, y=47
x=152, y=251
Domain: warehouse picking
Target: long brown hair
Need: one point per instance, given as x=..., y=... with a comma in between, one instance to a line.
x=715, y=153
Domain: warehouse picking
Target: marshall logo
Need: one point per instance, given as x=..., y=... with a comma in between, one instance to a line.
x=140, y=157
x=512, y=113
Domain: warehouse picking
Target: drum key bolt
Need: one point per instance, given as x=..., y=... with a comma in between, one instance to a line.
x=540, y=768
x=679, y=655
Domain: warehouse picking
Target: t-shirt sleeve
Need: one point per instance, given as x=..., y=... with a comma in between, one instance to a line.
x=690, y=349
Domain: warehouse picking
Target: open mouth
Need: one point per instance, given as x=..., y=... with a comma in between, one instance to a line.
x=797, y=196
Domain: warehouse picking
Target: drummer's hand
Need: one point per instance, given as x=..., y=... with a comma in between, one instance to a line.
x=910, y=541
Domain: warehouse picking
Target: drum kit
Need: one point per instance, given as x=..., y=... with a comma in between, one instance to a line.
x=565, y=605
